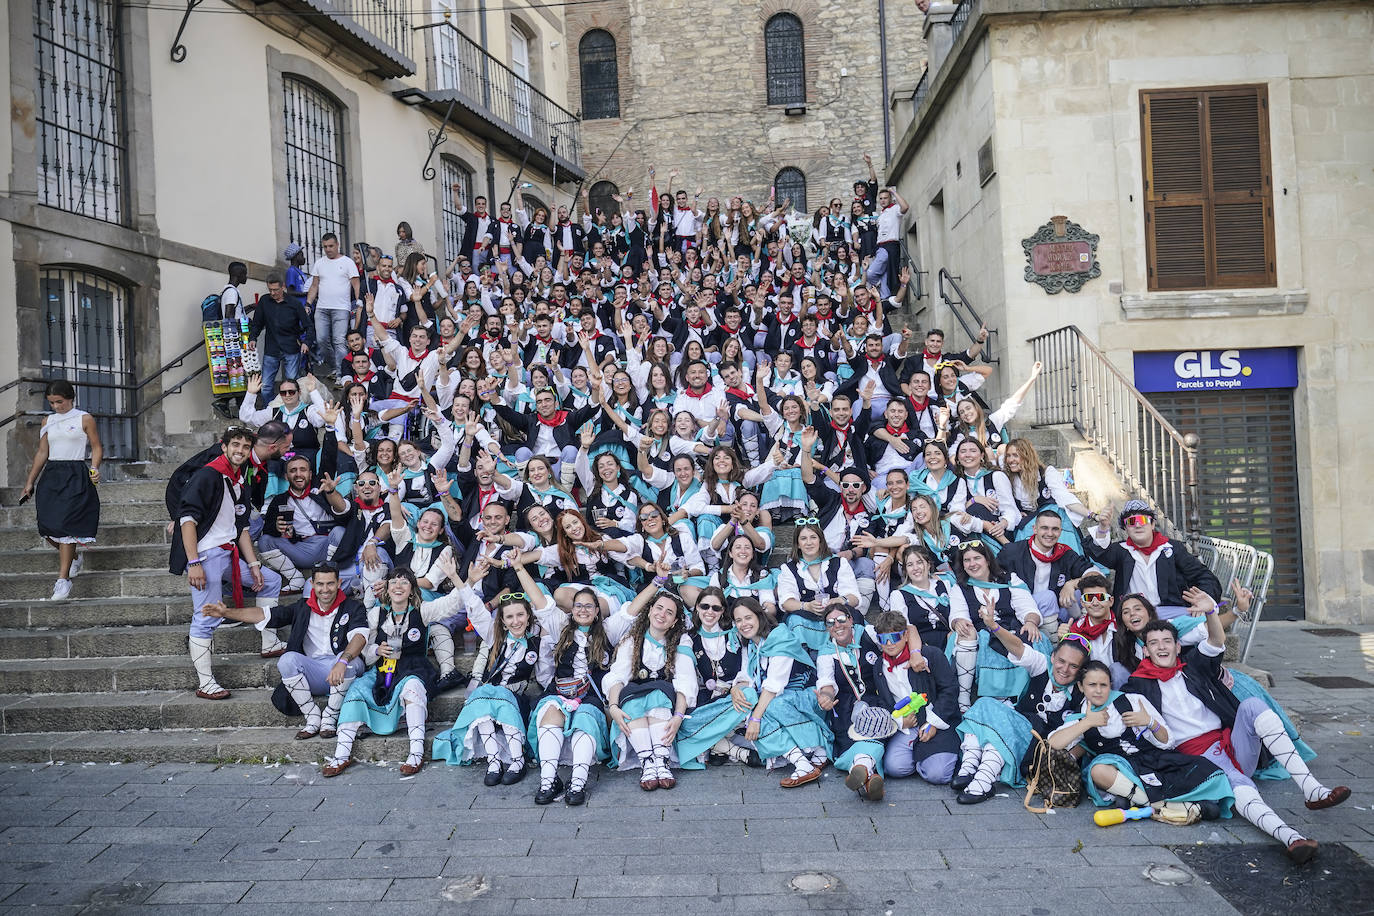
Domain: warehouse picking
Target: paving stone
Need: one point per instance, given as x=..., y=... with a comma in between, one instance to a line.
x=201, y=892
x=357, y=890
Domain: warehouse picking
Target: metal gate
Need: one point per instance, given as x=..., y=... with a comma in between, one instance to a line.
x=84, y=321
x=1248, y=475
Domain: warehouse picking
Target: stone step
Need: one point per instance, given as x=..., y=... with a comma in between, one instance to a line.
x=43, y=559
x=117, y=642
x=141, y=510
x=136, y=673
x=127, y=583
x=268, y=744
x=112, y=535
x=96, y=612
x=123, y=490
x=160, y=709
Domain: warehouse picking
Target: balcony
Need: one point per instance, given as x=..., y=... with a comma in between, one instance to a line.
x=377, y=30
x=491, y=101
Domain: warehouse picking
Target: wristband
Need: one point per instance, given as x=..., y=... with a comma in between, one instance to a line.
x=443, y=492
x=194, y=562
x=752, y=719
x=255, y=564
x=678, y=715
x=994, y=629
x=1210, y=613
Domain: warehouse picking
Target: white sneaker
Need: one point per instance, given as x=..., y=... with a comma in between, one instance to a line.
x=61, y=589
x=77, y=564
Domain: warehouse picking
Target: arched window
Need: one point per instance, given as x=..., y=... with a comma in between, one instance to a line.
x=785, y=59
x=454, y=172
x=791, y=183
x=533, y=203
x=316, y=180
x=602, y=197
x=600, y=75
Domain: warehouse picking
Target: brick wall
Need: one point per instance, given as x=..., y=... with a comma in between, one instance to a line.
x=693, y=93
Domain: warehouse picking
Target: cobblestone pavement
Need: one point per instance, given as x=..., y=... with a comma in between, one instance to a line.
x=242, y=839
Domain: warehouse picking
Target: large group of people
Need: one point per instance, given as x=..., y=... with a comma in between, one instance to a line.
x=579, y=441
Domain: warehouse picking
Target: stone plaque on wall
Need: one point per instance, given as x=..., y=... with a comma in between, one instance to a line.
x=1061, y=255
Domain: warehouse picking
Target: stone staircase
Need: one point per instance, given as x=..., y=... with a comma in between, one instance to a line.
x=104, y=675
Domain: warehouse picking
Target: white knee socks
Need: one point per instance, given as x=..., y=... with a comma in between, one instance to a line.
x=1122, y=787
x=1254, y=810
x=583, y=756
x=515, y=743
x=965, y=665
x=344, y=749
x=270, y=641
x=200, y=658
x=797, y=757
x=550, y=749
x=1270, y=729
x=988, y=772
x=336, y=698
x=415, y=728
x=441, y=641
x=487, y=732
x=662, y=749
x=863, y=760
x=971, y=754
x=299, y=688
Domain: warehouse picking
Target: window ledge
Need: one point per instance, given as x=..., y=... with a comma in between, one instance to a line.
x=1214, y=304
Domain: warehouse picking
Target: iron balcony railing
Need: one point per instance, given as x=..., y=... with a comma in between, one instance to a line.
x=458, y=66
x=379, y=29
x=962, y=14
x=918, y=95
x=1154, y=461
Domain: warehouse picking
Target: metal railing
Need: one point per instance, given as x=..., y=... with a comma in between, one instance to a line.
x=962, y=14
x=964, y=313
x=1253, y=569
x=918, y=95
x=388, y=21
x=135, y=407
x=1154, y=461
x=459, y=65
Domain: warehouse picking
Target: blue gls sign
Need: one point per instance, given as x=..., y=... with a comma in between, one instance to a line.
x=1216, y=370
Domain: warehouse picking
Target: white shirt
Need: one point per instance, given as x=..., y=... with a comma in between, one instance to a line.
x=336, y=277
x=222, y=530
x=66, y=439
x=1184, y=714
x=889, y=224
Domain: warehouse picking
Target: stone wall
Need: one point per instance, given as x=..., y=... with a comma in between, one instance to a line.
x=693, y=93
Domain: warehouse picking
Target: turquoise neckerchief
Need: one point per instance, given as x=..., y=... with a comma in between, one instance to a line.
x=979, y=583
x=650, y=638
x=584, y=628
x=976, y=475
x=291, y=413
x=888, y=514
x=918, y=483
x=425, y=545
x=766, y=582
x=932, y=596
x=679, y=500
x=781, y=643
x=1111, y=698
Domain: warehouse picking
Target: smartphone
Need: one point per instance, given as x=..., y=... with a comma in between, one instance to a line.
x=23, y=499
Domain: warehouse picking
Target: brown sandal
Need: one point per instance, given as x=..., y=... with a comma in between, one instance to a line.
x=220, y=694
x=334, y=769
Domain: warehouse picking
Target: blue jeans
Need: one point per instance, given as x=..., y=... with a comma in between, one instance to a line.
x=295, y=366
x=331, y=327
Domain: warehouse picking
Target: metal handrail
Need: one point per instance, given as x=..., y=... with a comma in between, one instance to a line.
x=963, y=302
x=1155, y=462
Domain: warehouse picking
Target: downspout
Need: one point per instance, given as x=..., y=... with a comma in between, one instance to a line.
x=486, y=97
x=882, y=57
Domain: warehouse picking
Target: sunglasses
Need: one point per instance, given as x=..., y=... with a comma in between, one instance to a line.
x=965, y=545
x=851, y=485
x=1137, y=520
x=1096, y=596
x=515, y=596
x=832, y=622
x=811, y=520
x=890, y=639
x=288, y=391
x=703, y=606
x=1078, y=638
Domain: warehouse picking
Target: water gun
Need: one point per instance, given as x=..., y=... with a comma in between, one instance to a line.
x=910, y=706
x=1110, y=817
x=388, y=667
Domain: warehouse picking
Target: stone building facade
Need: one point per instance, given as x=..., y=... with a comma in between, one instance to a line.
x=693, y=92
x=1037, y=113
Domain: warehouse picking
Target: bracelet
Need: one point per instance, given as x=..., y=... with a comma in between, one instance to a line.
x=196, y=562
x=678, y=715
x=752, y=719
x=1210, y=613
x=994, y=629
x=443, y=492
x=1154, y=726
x=255, y=564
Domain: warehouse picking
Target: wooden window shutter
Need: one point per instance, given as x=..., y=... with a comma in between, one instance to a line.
x=1208, y=189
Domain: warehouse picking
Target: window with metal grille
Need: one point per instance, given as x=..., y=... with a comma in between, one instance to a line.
x=790, y=183
x=81, y=141
x=85, y=317
x=785, y=60
x=454, y=173
x=1248, y=476
x=316, y=179
x=600, y=75
x=602, y=197
x=1209, y=206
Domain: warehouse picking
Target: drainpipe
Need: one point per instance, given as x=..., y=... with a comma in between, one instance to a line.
x=882, y=57
x=486, y=99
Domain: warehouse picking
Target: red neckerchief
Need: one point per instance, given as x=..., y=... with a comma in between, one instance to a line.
x=875, y=363
x=892, y=663
x=558, y=418
x=484, y=496
x=545, y=340
x=1158, y=542
x=865, y=311
x=1058, y=551
x=1091, y=631
x=697, y=327
x=257, y=463
x=728, y=330
x=1148, y=669
x=365, y=507
x=703, y=393
x=791, y=316
x=418, y=357
x=895, y=432
x=291, y=492
x=495, y=339
x=313, y=603
x=390, y=280
x=681, y=209
x=664, y=302
x=741, y=393
x=364, y=379
x=930, y=357
x=221, y=464
x=593, y=336
x=803, y=343
x=919, y=406
x=858, y=509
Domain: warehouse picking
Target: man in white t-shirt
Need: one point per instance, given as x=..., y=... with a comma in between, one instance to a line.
x=231, y=300
x=334, y=294
x=883, y=271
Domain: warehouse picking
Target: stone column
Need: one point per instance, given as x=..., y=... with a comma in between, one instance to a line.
x=937, y=33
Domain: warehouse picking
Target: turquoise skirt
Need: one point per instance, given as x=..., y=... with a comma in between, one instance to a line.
x=998, y=675
x=637, y=707
x=613, y=588
x=587, y=718
x=707, y=526
x=808, y=629
x=460, y=743
x=793, y=720
x=359, y=705
x=874, y=749
x=1216, y=788
x=785, y=490
x=993, y=722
